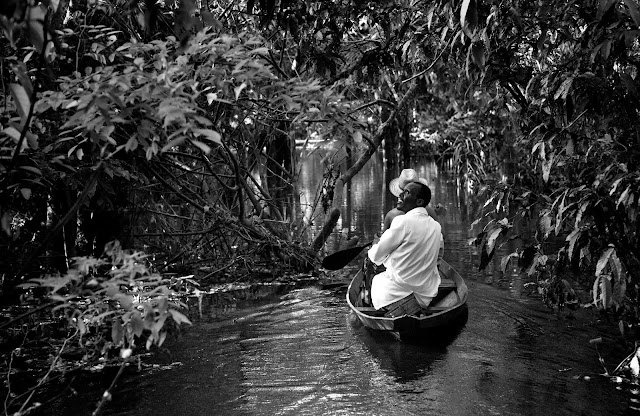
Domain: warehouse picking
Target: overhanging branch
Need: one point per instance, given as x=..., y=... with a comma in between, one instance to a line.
x=382, y=132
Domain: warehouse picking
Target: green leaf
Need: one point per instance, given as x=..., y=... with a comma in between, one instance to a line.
x=5, y=221
x=35, y=22
x=581, y=212
x=572, y=239
x=545, y=225
x=633, y=11
x=31, y=169
x=631, y=85
x=137, y=325
x=604, y=259
x=163, y=336
x=21, y=72
x=205, y=148
x=81, y=325
x=13, y=133
x=126, y=301
x=603, y=7
x=477, y=53
x=23, y=102
x=209, y=19
x=504, y=262
x=623, y=197
x=560, y=212
x=546, y=168
x=32, y=140
x=564, y=88
x=405, y=47
x=238, y=90
x=614, y=185
x=605, y=50
x=26, y=193
x=214, y=136
x=491, y=240
x=620, y=281
x=175, y=142
x=179, y=317
x=163, y=304
x=602, y=292
x=117, y=332
x=132, y=144
x=202, y=120
x=464, y=9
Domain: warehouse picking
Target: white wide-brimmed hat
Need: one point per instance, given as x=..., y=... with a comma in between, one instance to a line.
x=396, y=186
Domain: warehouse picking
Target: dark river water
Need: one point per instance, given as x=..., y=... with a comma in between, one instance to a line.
x=299, y=351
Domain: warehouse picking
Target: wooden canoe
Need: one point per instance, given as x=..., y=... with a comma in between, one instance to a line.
x=448, y=309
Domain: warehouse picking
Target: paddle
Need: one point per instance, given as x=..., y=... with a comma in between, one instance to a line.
x=341, y=258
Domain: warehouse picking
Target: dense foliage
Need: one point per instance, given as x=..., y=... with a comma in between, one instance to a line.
x=170, y=126
x=570, y=70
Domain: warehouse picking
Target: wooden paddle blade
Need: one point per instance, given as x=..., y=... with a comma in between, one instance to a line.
x=339, y=259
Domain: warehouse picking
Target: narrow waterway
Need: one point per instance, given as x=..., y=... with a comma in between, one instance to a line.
x=301, y=351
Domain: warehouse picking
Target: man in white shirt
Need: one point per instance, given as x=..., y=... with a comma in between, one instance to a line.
x=410, y=250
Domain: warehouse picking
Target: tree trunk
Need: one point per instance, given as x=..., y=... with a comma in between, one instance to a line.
x=405, y=124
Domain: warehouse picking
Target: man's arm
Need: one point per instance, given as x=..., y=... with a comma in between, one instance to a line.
x=389, y=241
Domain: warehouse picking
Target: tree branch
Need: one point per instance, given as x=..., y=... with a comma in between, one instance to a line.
x=427, y=69
x=178, y=193
x=382, y=132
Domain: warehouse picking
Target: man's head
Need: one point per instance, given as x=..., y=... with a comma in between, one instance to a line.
x=406, y=176
x=415, y=194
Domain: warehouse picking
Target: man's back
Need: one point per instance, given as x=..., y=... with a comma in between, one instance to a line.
x=410, y=250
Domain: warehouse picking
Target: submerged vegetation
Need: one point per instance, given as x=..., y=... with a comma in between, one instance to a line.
x=170, y=127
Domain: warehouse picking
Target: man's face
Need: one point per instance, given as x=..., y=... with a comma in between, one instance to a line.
x=407, y=199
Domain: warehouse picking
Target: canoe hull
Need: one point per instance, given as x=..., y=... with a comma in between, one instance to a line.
x=407, y=326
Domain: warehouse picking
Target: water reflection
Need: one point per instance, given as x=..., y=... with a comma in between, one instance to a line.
x=406, y=360
x=366, y=199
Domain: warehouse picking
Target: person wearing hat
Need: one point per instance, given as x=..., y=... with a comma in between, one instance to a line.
x=410, y=249
x=396, y=186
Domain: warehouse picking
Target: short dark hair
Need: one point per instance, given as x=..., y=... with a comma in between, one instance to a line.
x=424, y=193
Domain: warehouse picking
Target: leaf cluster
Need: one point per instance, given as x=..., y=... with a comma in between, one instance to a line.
x=111, y=306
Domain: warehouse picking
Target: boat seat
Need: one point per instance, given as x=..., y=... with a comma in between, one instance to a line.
x=446, y=284
x=371, y=311
x=409, y=305
x=435, y=309
x=443, y=292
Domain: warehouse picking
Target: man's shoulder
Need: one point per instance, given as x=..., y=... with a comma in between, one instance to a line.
x=394, y=213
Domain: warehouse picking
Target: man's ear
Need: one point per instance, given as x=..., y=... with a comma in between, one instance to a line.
x=420, y=202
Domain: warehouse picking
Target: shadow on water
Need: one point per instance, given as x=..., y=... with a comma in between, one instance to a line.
x=408, y=358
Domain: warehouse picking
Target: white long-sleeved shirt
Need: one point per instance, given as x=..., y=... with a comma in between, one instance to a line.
x=410, y=250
